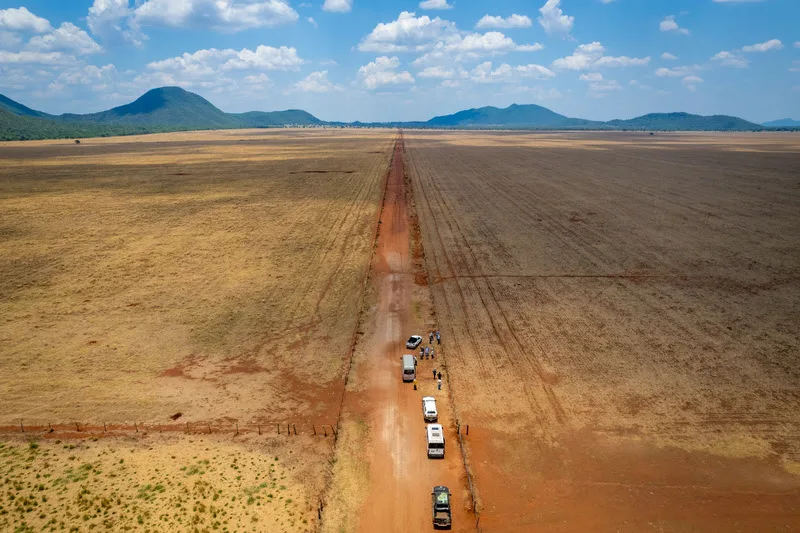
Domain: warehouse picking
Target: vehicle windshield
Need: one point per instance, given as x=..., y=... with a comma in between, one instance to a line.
x=442, y=498
x=436, y=445
x=408, y=371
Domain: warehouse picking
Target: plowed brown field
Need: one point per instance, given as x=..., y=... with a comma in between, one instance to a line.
x=622, y=320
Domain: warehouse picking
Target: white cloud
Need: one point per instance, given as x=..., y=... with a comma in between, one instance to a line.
x=553, y=19
x=439, y=39
x=588, y=56
x=20, y=19
x=668, y=57
x=435, y=4
x=42, y=58
x=795, y=66
x=223, y=15
x=436, y=72
x=338, y=6
x=513, y=21
x=99, y=77
x=316, y=82
x=669, y=24
x=112, y=21
x=312, y=21
x=691, y=82
x=582, y=58
x=381, y=72
x=207, y=62
x=67, y=38
x=505, y=73
x=9, y=40
x=773, y=44
x=677, y=72
x=591, y=76
x=258, y=79
x=605, y=86
x=408, y=32
x=729, y=59
x=622, y=61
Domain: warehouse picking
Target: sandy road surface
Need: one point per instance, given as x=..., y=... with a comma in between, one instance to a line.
x=400, y=474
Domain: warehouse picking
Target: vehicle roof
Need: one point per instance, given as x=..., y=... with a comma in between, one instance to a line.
x=428, y=399
x=415, y=337
x=435, y=432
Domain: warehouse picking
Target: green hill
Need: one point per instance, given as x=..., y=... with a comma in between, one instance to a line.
x=171, y=107
x=685, y=122
x=20, y=128
x=518, y=116
x=158, y=110
x=782, y=123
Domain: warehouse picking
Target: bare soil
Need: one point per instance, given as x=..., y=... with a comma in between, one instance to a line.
x=386, y=479
x=622, y=321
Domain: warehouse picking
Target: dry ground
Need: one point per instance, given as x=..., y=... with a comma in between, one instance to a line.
x=621, y=315
x=213, y=274
x=160, y=484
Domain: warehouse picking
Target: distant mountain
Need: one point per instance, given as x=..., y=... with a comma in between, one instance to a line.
x=167, y=106
x=16, y=108
x=518, y=116
x=260, y=119
x=158, y=110
x=22, y=127
x=685, y=122
x=175, y=109
x=782, y=123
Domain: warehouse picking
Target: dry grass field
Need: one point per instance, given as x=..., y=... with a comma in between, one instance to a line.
x=212, y=275
x=621, y=314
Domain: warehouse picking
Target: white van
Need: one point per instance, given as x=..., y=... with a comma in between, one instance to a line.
x=435, y=439
x=429, y=411
x=409, y=368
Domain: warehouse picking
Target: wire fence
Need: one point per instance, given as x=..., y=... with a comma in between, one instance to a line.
x=79, y=429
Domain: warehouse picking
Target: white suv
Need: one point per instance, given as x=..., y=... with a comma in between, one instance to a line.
x=429, y=409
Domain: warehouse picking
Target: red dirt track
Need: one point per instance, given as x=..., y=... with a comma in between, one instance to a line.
x=400, y=474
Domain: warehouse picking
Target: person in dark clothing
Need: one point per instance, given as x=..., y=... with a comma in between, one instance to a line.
x=434, y=373
x=440, y=375
x=438, y=337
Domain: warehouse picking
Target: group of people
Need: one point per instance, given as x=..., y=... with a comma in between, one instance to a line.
x=430, y=351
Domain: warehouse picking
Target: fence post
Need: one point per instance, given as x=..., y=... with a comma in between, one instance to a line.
x=136, y=427
x=325, y=430
x=77, y=428
x=294, y=428
x=104, y=427
x=314, y=428
x=237, y=428
x=259, y=429
x=22, y=429
x=467, y=429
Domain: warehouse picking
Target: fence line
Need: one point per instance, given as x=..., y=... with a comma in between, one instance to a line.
x=79, y=429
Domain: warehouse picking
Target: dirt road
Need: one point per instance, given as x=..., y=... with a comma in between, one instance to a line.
x=401, y=477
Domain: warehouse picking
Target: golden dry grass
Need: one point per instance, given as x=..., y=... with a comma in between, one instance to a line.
x=213, y=274
x=139, y=279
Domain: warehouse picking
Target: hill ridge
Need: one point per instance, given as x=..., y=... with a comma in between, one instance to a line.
x=173, y=108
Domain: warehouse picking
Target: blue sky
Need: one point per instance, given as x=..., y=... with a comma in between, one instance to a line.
x=409, y=60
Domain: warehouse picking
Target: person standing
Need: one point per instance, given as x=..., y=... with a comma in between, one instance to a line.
x=415, y=361
x=434, y=373
x=440, y=383
x=430, y=337
x=421, y=352
x=433, y=353
x=415, y=383
x=440, y=376
x=438, y=337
